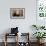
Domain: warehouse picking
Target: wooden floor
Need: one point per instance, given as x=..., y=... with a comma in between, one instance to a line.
x=13, y=44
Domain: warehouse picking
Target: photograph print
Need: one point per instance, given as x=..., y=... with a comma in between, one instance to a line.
x=17, y=13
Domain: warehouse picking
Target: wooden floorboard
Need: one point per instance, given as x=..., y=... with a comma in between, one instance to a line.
x=13, y=44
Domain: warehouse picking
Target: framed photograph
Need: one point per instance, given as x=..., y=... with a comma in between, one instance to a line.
x=17, y=13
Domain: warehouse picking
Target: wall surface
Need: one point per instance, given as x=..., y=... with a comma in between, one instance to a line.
x=23, y=24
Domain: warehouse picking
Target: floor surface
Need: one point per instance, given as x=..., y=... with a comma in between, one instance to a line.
x=13, y=44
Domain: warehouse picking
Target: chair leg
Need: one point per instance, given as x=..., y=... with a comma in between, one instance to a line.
x=5, y=43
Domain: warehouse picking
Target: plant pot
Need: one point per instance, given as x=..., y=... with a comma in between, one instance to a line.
x=40, y=41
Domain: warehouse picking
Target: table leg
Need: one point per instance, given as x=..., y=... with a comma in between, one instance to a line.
x=5, y=40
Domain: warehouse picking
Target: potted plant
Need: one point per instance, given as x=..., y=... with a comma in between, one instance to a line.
x=39, y=35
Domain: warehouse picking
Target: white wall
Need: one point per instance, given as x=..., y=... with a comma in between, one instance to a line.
x=23, y=24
